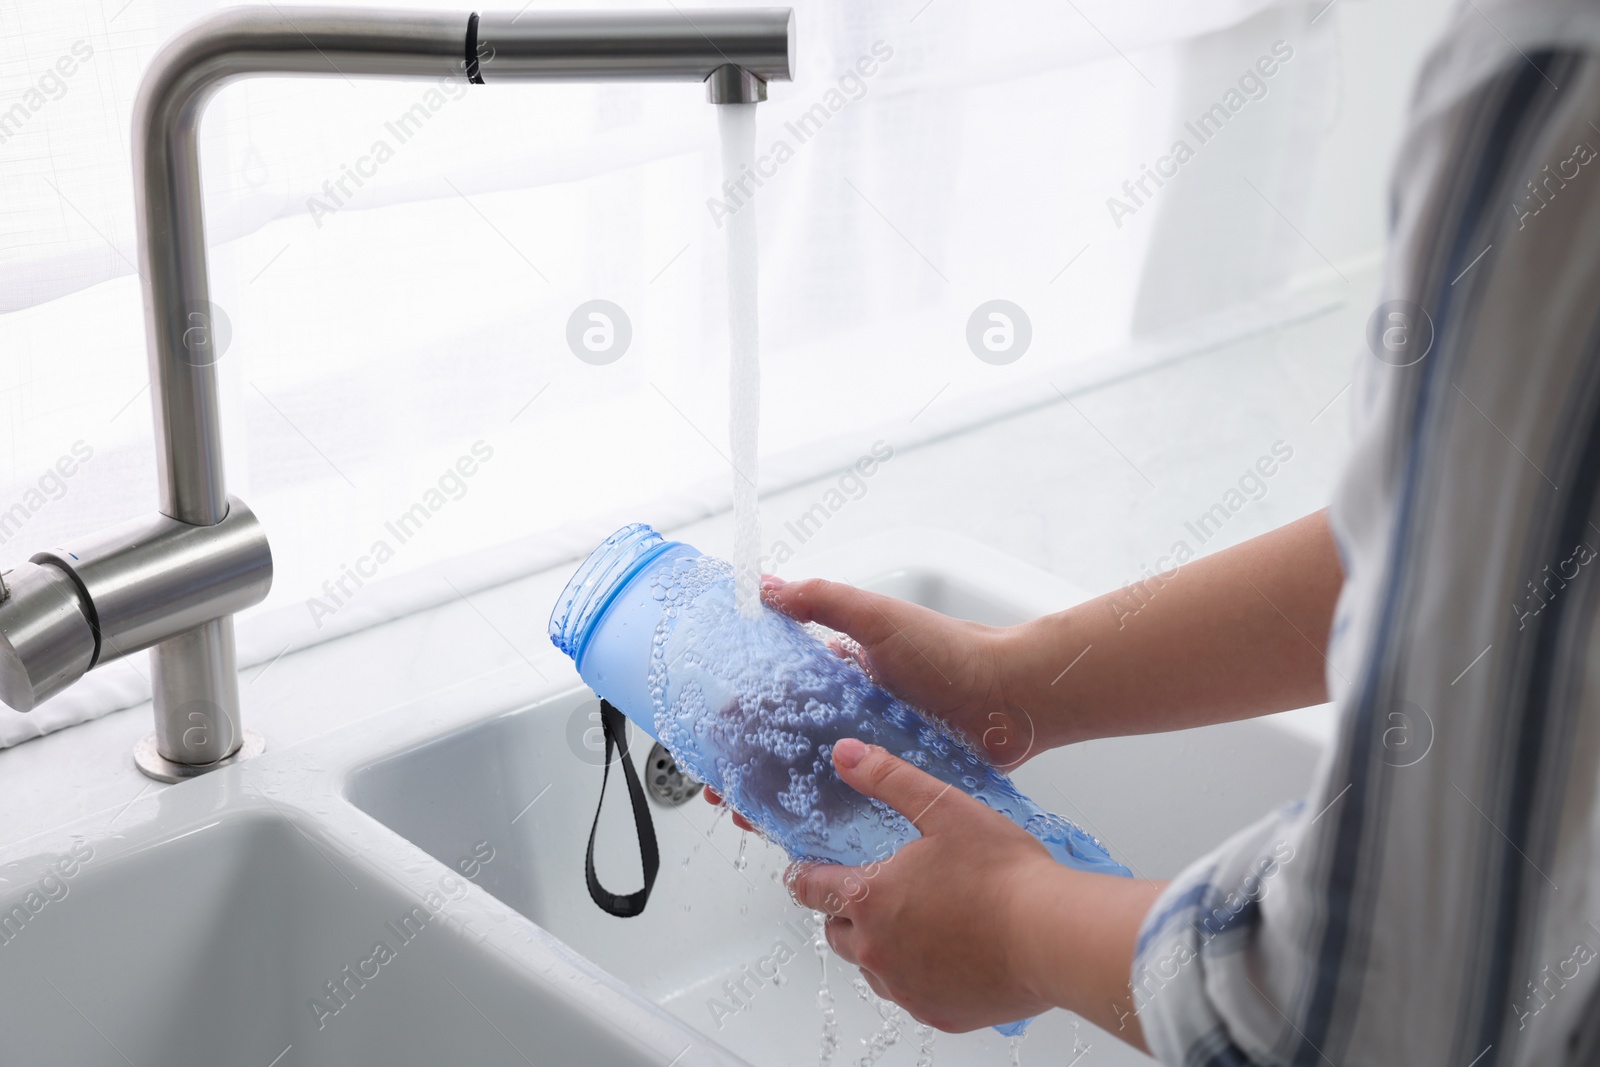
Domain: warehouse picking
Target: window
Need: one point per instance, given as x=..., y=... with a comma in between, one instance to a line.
x=397, y=266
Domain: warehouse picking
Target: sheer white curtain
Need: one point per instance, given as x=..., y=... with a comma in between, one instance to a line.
x=402, y=400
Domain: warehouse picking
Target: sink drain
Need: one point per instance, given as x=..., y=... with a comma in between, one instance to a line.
x=668, y=785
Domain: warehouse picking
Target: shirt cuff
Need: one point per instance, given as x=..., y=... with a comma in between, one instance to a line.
x=1188, y=958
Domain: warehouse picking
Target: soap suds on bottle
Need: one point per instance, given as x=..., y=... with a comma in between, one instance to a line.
x=753, y=706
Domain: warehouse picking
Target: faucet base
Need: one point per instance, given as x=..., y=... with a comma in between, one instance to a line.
x=153, y=764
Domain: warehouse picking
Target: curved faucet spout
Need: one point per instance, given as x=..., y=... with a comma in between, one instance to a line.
x=173, y=584
x=734, y=51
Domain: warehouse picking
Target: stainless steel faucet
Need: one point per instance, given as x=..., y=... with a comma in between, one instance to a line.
x=172, y=583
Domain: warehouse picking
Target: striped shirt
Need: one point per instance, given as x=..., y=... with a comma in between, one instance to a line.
x=1435, y=898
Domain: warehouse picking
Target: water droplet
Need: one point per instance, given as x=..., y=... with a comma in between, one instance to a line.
x=830, y=1017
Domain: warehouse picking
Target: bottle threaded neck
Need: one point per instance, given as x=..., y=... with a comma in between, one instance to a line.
x=596, y=583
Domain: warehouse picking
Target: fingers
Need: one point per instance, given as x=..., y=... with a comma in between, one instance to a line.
x=864, y=616
x=825, y=887
x=841, y=934
x=740, y=821
x=877, y=984
x=846, y=647
x=844, y=937
x=917, y=795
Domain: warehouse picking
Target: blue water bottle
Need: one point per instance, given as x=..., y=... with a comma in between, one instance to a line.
x=752, y=705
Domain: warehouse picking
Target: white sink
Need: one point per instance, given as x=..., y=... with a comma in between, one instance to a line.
x=215, y=943
x=250, y=917
x=510, y=799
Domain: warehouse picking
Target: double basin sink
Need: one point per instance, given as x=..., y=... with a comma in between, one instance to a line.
x=409, y=889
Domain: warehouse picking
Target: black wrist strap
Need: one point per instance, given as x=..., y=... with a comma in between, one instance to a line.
x=615, y=728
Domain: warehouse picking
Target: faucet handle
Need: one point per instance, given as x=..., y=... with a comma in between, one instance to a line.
x=46, y=640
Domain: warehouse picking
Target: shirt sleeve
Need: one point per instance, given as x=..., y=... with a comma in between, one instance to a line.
x=1407, y=911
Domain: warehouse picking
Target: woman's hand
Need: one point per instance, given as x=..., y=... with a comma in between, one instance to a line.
x=974, y=924
x=949, y=668
x=1241, y=632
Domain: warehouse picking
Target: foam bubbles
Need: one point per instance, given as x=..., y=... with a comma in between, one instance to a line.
x=752, y=705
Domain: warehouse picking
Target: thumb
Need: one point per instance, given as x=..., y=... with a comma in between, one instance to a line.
x=837, y=606
x=916, y=794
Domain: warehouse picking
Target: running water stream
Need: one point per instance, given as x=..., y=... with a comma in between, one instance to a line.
x=737, y=124
x=830, y=1013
